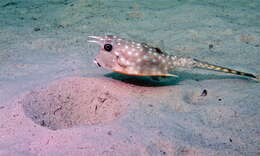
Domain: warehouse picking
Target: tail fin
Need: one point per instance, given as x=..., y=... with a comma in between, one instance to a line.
x=204, y=65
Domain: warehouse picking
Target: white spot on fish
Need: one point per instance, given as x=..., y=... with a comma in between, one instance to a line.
x=128, y=62
x=116, y=53
x=173, y=57
x=139, y=60
x=122, y=59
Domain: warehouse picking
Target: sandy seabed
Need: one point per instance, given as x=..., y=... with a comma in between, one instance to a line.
x=55, y=101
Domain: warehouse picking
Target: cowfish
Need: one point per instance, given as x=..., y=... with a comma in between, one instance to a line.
x=140, y=59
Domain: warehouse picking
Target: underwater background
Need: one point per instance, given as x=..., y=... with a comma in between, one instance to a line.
x=55, y=101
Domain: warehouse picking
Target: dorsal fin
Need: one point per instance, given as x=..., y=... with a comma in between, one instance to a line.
x=157, y=50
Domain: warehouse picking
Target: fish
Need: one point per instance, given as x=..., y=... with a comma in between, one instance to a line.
x=140, y=59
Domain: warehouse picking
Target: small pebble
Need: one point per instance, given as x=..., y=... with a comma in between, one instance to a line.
x=211, y=46
x=34, y=18
x=204, y=93
x=36, y=29
x=109, y=133
x=61, y=26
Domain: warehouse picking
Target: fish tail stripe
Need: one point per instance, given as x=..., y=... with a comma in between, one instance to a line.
x=203, y=65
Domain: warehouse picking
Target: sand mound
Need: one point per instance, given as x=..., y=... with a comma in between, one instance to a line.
x=75, y=101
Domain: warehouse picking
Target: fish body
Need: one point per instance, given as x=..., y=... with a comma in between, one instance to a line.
x=139, y=59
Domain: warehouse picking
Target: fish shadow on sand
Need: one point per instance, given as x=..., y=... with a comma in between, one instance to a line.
x=149, y=81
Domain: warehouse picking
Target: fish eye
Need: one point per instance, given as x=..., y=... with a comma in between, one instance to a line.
x=108, y=47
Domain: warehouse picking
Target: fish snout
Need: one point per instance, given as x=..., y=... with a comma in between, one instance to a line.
x=96, y=39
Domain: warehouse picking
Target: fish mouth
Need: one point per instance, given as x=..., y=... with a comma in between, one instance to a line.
x=96, y=39
x=96, y=62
